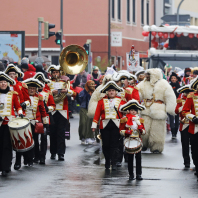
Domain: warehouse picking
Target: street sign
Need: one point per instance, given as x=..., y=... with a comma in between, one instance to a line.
x=184, y=19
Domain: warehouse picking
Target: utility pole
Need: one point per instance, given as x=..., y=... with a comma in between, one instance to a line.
x=109, y=34
x=178, y=11
x=61, y=24
x=89, y=56
x=40, y=21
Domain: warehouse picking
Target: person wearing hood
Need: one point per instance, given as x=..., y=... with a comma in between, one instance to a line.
x=186, y=79
x=174, y=120
x=159, y=99
x=95, y=75
x=28, y=70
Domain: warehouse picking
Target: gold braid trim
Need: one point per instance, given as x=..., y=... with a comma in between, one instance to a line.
x=24, y=85
x=136, y=88
x=123, y=120
x=40, y=97
x=179, y=100
x=190, y=95
x=14, y=92
x=142, y=120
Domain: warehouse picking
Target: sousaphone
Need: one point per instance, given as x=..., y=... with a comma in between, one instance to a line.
x=73, y=60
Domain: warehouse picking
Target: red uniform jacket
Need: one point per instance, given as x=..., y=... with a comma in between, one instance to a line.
x=190, y=110
x=129, y=122
x=49, y=101
x=178, y=110
x=134, y=92
x=11, y=103
x=63, y=105
x=103, y=111
x=37, y=110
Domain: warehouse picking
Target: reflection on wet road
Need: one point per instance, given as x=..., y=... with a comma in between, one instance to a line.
x=82, y=174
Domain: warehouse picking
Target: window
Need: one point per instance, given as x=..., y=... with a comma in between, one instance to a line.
x=128, y=10
x=142, y=12
x=166, y=10
x=166, y=1
x=119, y=62
x=55, y=60
x=113, y=9
x=119, y=9
x=147, y=12
x=133, y=8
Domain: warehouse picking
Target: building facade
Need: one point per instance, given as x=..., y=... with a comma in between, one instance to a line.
x=82, y=20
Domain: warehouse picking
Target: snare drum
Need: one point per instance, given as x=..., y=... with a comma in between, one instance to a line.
x=133, y=145
x=21, y=134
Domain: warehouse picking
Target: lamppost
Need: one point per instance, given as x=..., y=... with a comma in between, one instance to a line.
x=178, y=11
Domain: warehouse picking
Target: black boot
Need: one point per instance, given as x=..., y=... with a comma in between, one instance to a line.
x=139, y=177
x=114, y=167
x=36, y=160
x=173, y=133
x=17, y=166
x=53, y=156
x=4, y=174
x=131, y=177
x=42, y=160
x=61, y=157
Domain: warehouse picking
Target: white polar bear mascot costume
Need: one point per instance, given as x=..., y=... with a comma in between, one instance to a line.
x=159, y=99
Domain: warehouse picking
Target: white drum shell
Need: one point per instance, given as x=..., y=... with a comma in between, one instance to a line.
x=132, y=145
x=21, y=137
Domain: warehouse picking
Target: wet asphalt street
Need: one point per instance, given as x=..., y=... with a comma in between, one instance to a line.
x=82, y=174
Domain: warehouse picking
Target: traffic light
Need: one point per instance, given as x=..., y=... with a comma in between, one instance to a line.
x=58, y=38
x=86, y=46
x=47, y=27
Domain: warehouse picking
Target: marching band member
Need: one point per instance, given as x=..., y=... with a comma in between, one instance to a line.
x=13, y=72
x=128, y=94
x=8, y=101
x=191, y=113
x=36, y=113
x=184, y=124
x=59, y=87
x=49, y=107
x=134, y=129
x=108, y=112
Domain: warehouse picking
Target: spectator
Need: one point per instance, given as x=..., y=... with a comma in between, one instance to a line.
x=28, y=70
x=174, y=120
x=2, y=67
x=95, y=75
x=82, y=78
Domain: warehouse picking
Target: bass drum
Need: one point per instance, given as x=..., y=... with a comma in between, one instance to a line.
x=21, y=134
x=133, y=145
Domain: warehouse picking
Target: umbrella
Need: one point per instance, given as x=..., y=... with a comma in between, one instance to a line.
x=33, y=58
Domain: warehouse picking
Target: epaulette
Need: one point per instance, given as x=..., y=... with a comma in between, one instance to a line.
x=129, y=90
x=142, y=120
x=14, y=92
x=190, y=95
x=24, y=85
x=136, y=88
x=40, y=97
x=179, y=100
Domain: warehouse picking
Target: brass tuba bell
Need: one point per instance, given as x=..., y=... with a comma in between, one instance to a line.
x=73, y=59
